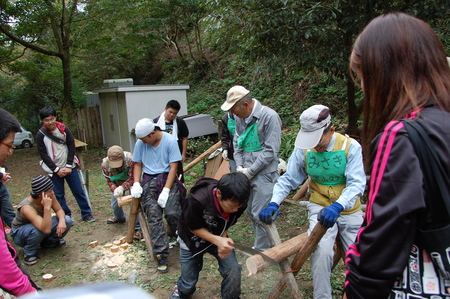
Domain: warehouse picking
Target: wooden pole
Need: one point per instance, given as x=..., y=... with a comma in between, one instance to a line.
x=278, y=253
x=275, y=240
x=298, y=261
x=135, y=203
x=301, y=191
x=145, y=230
x=202, y=156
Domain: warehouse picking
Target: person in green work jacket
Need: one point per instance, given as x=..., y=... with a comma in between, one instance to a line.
x=256, y=144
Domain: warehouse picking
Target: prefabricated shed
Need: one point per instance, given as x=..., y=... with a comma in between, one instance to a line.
x=121, y=107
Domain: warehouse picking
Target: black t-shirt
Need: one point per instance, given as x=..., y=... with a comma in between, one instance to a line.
x=183, y=130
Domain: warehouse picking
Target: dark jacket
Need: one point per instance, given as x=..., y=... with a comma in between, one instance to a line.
x=227, y=138
x=199, y=211
x=386, y=244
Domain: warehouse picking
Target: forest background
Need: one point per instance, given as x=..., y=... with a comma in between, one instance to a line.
x=290, y=54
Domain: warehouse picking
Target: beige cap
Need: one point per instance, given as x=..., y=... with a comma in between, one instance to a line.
x=115, y=156
x=313, y=121
x=233, y=96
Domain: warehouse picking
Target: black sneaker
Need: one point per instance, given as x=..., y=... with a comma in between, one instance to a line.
x=89, y=218
x=162, y=264
x=56, y=244
x=30, y=260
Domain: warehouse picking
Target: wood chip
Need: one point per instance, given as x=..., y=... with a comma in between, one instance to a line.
x=93, y=243
x=108, y=245
x=47, y=277
x=114, y=248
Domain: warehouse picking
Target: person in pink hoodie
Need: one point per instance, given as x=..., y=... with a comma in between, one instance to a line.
x=13, y=279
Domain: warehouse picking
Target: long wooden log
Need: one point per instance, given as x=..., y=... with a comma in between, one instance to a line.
x=124, y=200
x=145, y=230
x=202, y=156
x=278, y=253
x=298, y=261
x=285, y=267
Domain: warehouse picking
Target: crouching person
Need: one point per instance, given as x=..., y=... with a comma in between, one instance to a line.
x=210, y=209
x=34, y=224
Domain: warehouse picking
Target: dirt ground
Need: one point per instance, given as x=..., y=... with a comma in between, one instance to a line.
x=77, y=263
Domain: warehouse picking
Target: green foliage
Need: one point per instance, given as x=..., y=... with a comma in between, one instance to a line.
x=287, y=144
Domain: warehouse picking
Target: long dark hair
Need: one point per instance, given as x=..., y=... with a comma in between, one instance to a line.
x=402, y=65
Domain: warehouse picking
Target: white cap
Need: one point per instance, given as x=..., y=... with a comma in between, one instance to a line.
x=233, y=96
x=313, y=121
x=144, y=127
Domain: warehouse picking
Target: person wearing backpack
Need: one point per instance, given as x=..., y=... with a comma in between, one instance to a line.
x=401, y=66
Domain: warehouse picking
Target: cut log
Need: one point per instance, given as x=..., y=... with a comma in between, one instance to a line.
x=278, y=253
x=202, y=156
x=124, y=200
x=298, y=261
x=289, y=277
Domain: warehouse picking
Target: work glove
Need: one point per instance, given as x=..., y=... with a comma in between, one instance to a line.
x=327, y=216
x=270, y=213
x=118, y=192
x=136, y=190
x=244, y=171
x=163, y=197
x=225, y=155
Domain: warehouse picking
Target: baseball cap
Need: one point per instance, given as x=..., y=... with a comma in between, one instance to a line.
x=40, y=184
x=313, y=121
x=233, y=95
x=144, y=127
x=115, y=156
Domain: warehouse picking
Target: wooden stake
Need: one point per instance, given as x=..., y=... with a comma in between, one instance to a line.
x=135, y=203
x=309, y=247
x=202, y=156
x=274, y=238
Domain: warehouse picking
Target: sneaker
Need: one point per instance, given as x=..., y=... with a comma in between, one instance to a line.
x=57, y=244
x=89, y=218
x=162, y=264
x=137, y=234
x=114, y=221
x=175, y=293
x=30, y=260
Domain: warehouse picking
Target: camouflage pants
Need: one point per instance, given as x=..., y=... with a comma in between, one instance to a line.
x=154, y=213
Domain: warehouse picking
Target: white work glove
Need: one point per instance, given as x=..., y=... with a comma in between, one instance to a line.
x=163, y=197
x=225, y=155
x=118, y=192
x=244, y=171
x=136, y=190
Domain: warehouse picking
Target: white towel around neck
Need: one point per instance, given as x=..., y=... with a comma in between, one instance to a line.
x=162, y=124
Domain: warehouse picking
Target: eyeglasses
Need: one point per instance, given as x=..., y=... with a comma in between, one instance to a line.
x=49, y=120
x=11, y=147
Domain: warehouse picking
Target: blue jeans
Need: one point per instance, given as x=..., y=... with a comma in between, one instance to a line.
x=8, y=213
x=119, y=214
x=229, y=269
x=29, y=237
x=73, y=180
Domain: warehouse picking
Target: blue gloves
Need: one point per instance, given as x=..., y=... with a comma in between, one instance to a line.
x=327, y=216
x=270, y=213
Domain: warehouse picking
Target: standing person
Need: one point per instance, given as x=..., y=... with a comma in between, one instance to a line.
x=256, y=144
x=334, y=163
x=403, y=71
x=34, y=224
x=177, y=128
x=56, y=146
x=228, y=130
x=210, y=209
x=13, y=279
x=7, y=213
x=156, y=158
